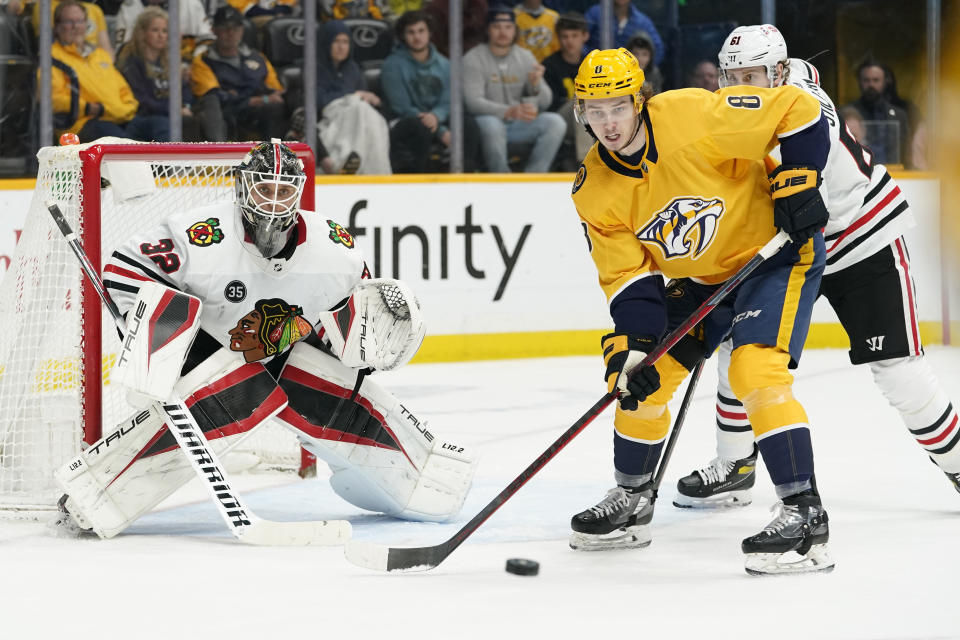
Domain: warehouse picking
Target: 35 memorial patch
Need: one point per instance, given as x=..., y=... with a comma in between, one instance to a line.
x=205, y=232
x=339, y=235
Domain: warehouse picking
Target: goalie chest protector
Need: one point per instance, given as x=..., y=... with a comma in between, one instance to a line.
x=252, y=305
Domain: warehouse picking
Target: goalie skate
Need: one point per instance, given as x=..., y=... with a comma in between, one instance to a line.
x=723, y=483
x=794, y=542
x=620, y=521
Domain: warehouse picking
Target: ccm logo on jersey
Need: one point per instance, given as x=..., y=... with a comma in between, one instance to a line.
x=673, y=226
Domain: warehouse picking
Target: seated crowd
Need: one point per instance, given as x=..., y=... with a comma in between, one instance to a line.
x=376, y=113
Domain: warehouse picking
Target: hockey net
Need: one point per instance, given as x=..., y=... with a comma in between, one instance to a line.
x=57, y=342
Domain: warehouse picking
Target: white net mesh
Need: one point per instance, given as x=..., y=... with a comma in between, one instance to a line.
x=43, y=409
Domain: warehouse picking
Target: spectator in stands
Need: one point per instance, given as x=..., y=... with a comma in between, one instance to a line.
x=704, y=75
x=628, y=20
x=263, y=10
x=95, y=31
x=237, y=94
x=536, y=28
x=885, y=115
x=400, y=7
x=474, y=23
x=194, y=23
x=854, y=121
x=559, y=71
x=90, y=96
x=143, y=64
x=343, y=9
x=416, y=85
x=642, y=47
x=351, y=129
x=503, y=87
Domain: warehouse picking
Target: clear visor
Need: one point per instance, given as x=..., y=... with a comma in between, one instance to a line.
x=759, y=76
x=597, y=113
x=271, y=196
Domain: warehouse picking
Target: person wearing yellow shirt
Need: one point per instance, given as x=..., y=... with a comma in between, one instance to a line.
x=536, y=28
x=95, y=32
x=676, y=187
x=90, y=96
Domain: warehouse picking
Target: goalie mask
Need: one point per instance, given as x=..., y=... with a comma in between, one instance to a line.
x=269, y=183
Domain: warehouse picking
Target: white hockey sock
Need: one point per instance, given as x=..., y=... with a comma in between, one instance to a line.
x=913, y=390
x=734, y=433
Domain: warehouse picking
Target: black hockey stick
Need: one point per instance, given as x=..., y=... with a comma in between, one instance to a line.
x=382, y=558
x=677, y=425
x=245, y=525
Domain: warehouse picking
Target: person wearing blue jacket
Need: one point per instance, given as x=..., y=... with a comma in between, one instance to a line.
x=416, y=85
x=628, y=20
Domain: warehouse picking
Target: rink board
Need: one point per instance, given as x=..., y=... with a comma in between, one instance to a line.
x=500, y=262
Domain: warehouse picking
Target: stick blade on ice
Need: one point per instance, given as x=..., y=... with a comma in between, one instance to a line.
x=393, y=559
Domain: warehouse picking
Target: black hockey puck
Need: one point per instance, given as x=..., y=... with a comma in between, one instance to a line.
x=523, y=567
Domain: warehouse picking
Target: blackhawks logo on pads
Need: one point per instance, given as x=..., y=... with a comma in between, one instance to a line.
x=685, y=227
x=339, y=235
x=205, y=232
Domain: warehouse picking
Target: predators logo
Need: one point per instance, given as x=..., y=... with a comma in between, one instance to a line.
x=340, y=235
x=685, y=220
x=205, y=232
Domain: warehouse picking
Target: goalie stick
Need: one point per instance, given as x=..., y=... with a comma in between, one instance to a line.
x=243, y=523
x=382, y=558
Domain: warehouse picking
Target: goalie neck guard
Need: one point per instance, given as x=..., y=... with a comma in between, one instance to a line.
x=758, y=45
x=269, y=183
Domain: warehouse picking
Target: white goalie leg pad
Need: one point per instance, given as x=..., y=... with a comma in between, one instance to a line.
x=161, y=327
x=911, y=387
x=138, y=464
x=379, y=327
x=383, y=457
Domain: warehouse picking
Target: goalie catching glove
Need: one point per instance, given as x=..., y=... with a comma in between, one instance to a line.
x=798, y=207
x=623, y=353
x=380, y=326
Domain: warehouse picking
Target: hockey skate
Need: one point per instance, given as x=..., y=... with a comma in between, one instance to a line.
x=954, y=479
x=794, y=542
x=69, y=523
x=723, y=483
x=620, y=521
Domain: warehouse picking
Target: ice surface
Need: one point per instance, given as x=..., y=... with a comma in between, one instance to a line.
x=177, y=573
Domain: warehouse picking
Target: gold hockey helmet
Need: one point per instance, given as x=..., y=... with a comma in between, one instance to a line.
x=607, y=73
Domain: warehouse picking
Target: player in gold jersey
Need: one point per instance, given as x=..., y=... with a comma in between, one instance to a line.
x=676, y=187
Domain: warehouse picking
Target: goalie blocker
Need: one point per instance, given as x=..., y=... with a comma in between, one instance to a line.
x=383, y=457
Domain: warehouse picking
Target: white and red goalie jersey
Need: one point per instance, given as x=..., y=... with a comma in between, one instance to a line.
x=867, y=209
x=253, y=305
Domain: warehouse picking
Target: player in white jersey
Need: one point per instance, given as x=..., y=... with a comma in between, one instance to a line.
x=867, y=281
x=290, y=323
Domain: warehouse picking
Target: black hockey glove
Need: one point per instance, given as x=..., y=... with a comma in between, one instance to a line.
x=622, y=353
x=798, y=208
